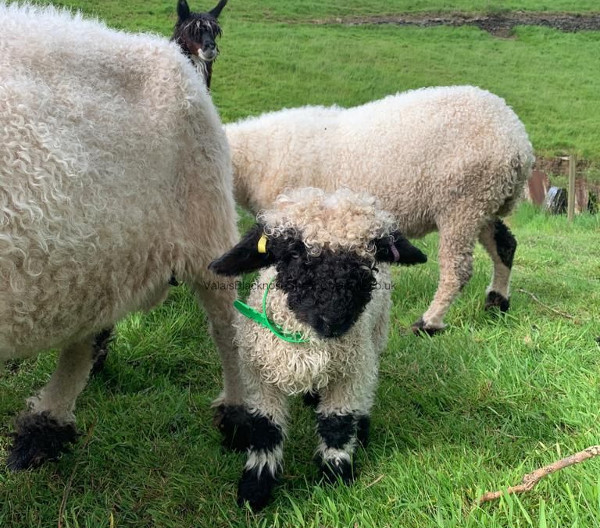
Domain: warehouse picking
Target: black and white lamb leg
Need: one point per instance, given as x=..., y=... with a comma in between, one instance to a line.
x=501, y=245
x=338, y=440
x=48, y=428
x=265, y=456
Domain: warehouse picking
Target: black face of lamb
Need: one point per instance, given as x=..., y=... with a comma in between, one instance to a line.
x=327, y=292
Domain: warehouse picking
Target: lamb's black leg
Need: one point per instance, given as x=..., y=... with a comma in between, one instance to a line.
x=264, y=462
x=338, y=433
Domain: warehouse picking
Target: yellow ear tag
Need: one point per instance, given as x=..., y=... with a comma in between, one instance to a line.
x=262, y=244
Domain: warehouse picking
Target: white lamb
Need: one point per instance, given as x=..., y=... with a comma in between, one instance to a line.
x=114, y=174
x=453, y=159
x=325, y=282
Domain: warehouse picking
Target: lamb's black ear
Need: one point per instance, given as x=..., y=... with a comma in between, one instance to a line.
x=249, y=254
x=395, y=249
x=216, y=11
x=183, y=10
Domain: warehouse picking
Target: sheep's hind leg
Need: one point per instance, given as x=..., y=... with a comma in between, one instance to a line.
x=455, y=256
x=501, y=245
x=102, y=341
x=230, y=416
x=48, y=428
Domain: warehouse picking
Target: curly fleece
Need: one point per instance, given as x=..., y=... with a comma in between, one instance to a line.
x=445, y=158
x=341, y=220
x=115, y=173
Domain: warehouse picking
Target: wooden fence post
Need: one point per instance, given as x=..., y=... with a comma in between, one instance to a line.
x=571, y=193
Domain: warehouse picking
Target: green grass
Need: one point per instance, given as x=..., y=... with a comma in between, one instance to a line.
x=544, y=74
x=467, y=411
x=470, y=410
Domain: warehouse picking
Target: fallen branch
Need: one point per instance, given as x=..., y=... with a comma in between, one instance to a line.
x=531, y=479
x=563, y=314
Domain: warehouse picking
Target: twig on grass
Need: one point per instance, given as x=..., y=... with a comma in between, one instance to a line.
x=531, y=479
x=63, y=502
x=563, y=314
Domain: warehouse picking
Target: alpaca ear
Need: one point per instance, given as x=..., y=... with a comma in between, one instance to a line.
x=396, y=249
x=249, y=254
x=216, y=11
x=183, y=10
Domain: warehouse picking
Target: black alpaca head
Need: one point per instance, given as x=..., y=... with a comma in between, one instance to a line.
x=328, y=291
x=196, y=34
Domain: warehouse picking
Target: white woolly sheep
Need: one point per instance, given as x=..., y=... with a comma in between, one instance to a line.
x=327, y=282
x=453, y=159
x=114, y=174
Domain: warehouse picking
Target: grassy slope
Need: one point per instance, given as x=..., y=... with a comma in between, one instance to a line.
x=472, y=409
x=544, y=74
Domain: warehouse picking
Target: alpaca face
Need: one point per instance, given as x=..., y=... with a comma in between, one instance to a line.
x=196, y=33
x=328, y=291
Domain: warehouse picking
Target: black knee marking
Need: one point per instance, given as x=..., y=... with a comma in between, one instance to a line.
x=311, y=399
x=336, y=430
x=495, y=300
x=257, y=482
x=255, y=488
x=234, y=423
x=100, y=346
x=506, y=243
x=38, y=438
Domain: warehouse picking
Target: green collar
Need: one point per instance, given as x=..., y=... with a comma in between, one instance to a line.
x=263, y=320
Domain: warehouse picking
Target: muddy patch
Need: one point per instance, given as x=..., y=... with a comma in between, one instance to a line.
x=499, y=25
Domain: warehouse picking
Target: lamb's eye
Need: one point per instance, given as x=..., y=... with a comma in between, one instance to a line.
x=294, y=254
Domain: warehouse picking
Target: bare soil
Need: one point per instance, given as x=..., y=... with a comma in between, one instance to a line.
x=499, y=25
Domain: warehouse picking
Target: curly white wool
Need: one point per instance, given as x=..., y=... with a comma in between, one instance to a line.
x=340, y=220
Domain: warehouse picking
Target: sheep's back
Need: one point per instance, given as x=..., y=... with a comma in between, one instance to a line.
x=96, y=131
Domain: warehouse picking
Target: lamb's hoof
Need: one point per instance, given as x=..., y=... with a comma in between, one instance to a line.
x=495, y=300
x=255, y=488
x=311, y=399
x=420, y=329
x=100, y=350
x=337, y=471
x=39, y=437
x=233, y=421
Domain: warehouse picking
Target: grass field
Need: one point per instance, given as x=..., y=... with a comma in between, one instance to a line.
x=471, y=410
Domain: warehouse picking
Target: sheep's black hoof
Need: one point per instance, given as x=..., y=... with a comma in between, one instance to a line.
x=255, y=488
x=495, y=300
x=39, y=437
x=100, y=350
x=337, y=471
x=419, y=329
x=234, y=423
x=311, y=399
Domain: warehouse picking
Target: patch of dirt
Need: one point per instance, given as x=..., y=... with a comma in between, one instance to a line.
x=499, y=25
